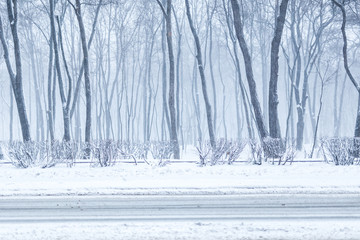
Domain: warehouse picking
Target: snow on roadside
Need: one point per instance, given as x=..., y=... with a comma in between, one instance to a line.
x=184, y=230
x=180, y=178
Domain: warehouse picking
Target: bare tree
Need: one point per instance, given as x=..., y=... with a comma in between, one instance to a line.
x=249, y=70
x=346, y=65
x=77, y=8
x=65, y=100
x=16, y=78
x=173, y=133
x=274, y=125
x=202, y=76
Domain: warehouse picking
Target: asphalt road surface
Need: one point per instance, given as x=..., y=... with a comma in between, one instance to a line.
x=144, y=208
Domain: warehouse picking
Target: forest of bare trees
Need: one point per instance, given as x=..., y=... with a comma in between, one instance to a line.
x=183, y=71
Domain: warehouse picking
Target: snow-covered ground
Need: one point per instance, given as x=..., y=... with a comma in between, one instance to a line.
x=179, y=178
x=182, y=178
x=184, y=230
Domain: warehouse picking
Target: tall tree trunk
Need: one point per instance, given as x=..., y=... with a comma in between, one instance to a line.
x=202, y=76
x=212, y=69
x=11, y=127
x=59, y=74
x=174, y=138
x=78, y=82
x=274, y=125
x=340, y=115
x=171, y=100
x=195, y=96
x=346, y=65
x=49, y=92
x=249, y=70
x=86, y=72
x=164, y=82
x=16, y=79
x=357, y=124
x=224, y=102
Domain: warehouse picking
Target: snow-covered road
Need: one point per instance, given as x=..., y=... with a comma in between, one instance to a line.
x=179, y=207
x=180, y=201
x=210, y=217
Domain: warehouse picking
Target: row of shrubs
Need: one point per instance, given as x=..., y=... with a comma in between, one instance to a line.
x=339, y=151
x=102, y=153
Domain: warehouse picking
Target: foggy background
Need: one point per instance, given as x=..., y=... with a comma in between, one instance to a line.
x=129, y=65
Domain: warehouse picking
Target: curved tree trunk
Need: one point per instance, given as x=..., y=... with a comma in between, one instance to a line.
x=59, y=75
x=16, y=79
x=86, y=74
x=274, y=125
x=346, y=65
x=171, y=100
x=249, y=70
x=202, y=75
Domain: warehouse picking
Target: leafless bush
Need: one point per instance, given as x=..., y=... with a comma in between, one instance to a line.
x=133, y=151
x=161, y=150
x=105, y=152
x=234, y=151
x=60, y=152
x=340, y=151
x=273, y=148
x=224, y=152
x=289, y=155
x=355, y=150
x=222, y=147
x=23, y=154
x=44, y=154
x=204, y=149
x=256, y=152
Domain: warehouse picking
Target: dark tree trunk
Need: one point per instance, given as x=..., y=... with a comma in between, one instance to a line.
x=59, y=74
x=11, y=127
x=212, y=70
x=202, y=75
x=171, y=100
x=164, y=82
x=49, y=111
x=16, y=79
x=274, y=125
x=249, y=71
x=357, y=124
x=346, y=65
x=86, y=71
x=78, y=82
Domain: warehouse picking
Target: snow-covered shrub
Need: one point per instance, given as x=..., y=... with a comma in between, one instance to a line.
x=60, y=152
x=204, y=149
x=273, y=148
x=234, y=151
x=355, y=150
x=23, y=154
x=257, y=152
x=105, y=152
x=288, y=156
x=340, y=151
x=225, y=151
x=133, y=151
x=222, y=147
x=161, y=149
x=43, y=154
